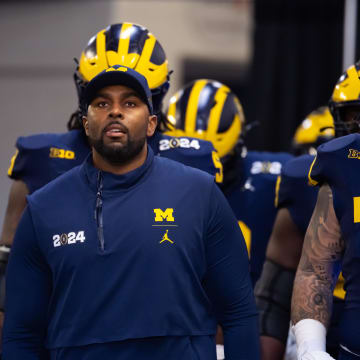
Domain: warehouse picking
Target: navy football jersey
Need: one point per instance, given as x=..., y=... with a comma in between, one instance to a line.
x=337, y=163
x=43, y=157
x=252, y=200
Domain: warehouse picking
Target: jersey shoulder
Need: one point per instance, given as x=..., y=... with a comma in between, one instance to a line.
x=293, y=181
x=29, y=151
x=189, y=151
x=297, y=167
x=161, y=143
x=38, y=141
x=332, y=157
x=42, y=157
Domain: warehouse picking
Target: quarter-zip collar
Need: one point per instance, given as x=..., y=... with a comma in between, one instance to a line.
x=112, y=182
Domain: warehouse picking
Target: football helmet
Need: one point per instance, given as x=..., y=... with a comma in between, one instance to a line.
x=315, y=129
x=208, y=110
x=344, y=103
x=127, y=44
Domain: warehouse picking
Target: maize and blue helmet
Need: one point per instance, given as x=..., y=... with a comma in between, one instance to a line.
x=344, y=103
x=315, y=129
x=208, y=110
x=130, y=45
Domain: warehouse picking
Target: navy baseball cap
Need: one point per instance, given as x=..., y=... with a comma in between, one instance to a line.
x=119, y=75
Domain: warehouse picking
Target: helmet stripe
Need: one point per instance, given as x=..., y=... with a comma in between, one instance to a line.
x=148, y=49
x=215, y=113
x=124, y=41
x=101, y=51
x=191, y=110
x=171, y=113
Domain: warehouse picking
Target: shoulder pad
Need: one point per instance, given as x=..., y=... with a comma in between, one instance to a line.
x=297, y=167
x=185, y=144
x=323, y=168
x=37, y=141
x=30, y=150
x=189, y=151
x=41, y=158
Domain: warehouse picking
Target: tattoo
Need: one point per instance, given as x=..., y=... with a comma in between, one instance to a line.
x=323, y=247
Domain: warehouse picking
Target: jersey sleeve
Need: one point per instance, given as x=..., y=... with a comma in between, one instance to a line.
x=228, y=283
x=18, y=161
x=28, y=288
x=325, y=166
x=189, y=151
x=294, y=192
x=29, y=164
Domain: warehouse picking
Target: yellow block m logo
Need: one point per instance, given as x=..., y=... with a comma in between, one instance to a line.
x=162, y=215
x=120, y=68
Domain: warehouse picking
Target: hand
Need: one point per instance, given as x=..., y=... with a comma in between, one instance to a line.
x=315, y=355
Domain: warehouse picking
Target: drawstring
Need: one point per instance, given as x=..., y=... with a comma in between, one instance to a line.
x=98, y=210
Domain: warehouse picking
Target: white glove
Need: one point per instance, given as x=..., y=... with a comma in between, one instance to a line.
x=310, y=337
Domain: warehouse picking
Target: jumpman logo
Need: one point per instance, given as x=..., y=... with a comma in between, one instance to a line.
x=165, y=238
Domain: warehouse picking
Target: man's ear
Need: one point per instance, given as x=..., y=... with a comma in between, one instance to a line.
x=152, y=123
x=85, y=124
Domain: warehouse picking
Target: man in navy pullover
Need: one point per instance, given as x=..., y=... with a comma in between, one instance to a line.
x=110, y=261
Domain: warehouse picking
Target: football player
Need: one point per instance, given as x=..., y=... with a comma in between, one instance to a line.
x=332, y=235
x=295, y=201
x=209, y=110
x=41, y=158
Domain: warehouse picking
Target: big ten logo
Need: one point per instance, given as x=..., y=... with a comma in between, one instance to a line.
x=354, y=154
x=167, y=215
x=68, y=239
x=61, y=153
x=247, y=235
x=266, y=167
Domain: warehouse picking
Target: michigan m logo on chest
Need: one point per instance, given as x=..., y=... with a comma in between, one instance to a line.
x=167, y=215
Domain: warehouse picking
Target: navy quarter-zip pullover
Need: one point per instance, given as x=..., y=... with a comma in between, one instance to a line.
x=136, y=266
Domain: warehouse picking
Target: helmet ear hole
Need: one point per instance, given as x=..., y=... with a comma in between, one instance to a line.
x=208, y=110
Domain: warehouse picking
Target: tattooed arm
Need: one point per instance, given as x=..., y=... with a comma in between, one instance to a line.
x=314, y=281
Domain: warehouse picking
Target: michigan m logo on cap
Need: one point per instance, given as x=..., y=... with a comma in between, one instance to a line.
x=120, y=68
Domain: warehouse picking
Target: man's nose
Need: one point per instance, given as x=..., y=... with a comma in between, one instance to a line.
x=116, y=111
